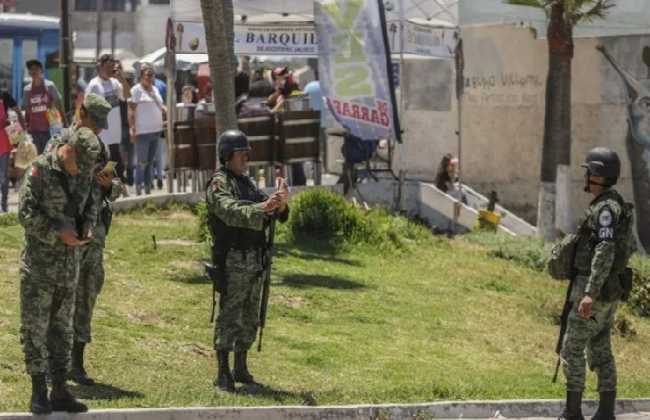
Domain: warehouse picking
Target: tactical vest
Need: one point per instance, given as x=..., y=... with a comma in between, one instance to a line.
x=224, y=237
x=612, y=289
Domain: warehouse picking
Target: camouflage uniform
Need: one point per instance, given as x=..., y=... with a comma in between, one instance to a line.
x=239, y=306
x=595, y=253
x=91, y=277
x=49, y=269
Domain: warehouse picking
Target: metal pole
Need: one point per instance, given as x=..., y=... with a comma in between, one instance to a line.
x=460, y=64
x=402, y=171
x=65, y=55
x=113, y=35
x=100, y=6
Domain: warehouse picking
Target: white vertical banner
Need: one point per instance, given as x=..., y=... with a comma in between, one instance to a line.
x=354, y=66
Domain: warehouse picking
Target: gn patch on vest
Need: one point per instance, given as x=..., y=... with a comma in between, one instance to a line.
x=605, y=227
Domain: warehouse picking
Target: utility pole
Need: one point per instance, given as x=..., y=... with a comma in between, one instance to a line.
x=100, y=6
x=113, y=35
x=65, y=56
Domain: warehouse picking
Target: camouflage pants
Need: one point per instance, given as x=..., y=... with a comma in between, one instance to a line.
x=46, y=330
x=239, y=309
x=91, y=281
x=594, y=335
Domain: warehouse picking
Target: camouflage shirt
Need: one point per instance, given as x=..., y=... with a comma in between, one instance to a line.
x=596, y=249
x=224, y=197
x=98, y=230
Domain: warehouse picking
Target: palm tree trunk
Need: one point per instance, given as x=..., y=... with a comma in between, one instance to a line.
x=218, y=19
x=640, y=162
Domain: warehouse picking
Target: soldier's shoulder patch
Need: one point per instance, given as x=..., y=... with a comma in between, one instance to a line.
x=605, y=227
x=216, y=186
x=33, y=172
x=51, y=147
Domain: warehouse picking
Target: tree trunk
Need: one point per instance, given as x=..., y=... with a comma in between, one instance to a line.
x=640, y=162
x=557, y=124
x=218, y=19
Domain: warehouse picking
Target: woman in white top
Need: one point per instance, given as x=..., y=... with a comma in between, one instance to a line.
x=146, y=111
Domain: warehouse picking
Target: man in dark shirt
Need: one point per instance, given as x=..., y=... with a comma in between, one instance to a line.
x=242, y=81
x=261, y=87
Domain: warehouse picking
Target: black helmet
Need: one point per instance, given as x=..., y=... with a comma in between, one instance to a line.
x=230, y=142
x=604, y=162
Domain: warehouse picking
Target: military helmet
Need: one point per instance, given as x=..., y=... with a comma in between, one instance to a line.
x=230, y=142
x=604, y=162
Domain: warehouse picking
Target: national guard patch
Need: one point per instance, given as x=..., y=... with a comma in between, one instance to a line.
x=33, y=172
x=605, y=228
x=51, y=147
x=216, y=187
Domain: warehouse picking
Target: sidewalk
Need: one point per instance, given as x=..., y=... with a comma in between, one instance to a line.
x=467, y=410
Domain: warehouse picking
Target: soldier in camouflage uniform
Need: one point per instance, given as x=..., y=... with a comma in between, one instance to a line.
x=91, y=277
x=57, y=212
x=238, y=214
x=605, y=243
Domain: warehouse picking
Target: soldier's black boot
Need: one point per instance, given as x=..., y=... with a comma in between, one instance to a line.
x=61, y=398
x=224, y=379
x=78, y=373
x=241, y=373
x=4, y=198
x=39, y=404
x=606, y=406
x=573, y=409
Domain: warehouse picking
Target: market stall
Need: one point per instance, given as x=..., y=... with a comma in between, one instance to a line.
x=281, y=28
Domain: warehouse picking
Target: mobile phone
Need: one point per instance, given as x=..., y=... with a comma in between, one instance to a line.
x=110, y=167
x=282, y=184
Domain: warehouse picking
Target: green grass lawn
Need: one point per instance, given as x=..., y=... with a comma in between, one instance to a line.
x=443, y=321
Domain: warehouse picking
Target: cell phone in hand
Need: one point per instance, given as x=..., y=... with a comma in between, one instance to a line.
x=110, y=167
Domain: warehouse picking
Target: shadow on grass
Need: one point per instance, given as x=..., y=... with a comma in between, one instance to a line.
x=189, y=278
x=298, y=281
x=304, y=398
x=310, y=253
x=101, y=391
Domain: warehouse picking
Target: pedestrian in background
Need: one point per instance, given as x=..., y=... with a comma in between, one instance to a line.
x=146, y=114
x=39, y=97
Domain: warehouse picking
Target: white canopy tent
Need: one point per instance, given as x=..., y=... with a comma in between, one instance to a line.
x=439, y=14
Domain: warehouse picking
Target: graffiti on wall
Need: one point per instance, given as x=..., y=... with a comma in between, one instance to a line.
x=504, y=89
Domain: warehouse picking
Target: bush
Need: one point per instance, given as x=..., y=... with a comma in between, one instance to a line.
x=523, y=250
x=325, y=215
x=201, y=210
x=9, y=219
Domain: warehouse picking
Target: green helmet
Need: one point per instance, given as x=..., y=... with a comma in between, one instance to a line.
x=230, y=142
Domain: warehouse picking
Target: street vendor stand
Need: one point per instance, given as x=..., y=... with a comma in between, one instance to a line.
x=415, y=27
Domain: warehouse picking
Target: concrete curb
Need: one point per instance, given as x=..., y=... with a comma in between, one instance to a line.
x=438, y=410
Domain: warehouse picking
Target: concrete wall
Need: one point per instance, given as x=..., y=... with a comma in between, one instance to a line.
x=151, y=25
x=503, y=111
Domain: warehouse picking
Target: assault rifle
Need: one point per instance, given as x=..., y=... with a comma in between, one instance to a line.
x=564, y=319
x=267, y=261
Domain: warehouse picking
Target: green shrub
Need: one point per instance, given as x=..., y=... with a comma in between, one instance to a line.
x=327, y=216
x=201, y=210
x=523, y=250
x=9, y=219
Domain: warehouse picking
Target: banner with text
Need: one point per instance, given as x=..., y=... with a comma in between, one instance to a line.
x=423, y=40
x=251, y=39
x=354, y=67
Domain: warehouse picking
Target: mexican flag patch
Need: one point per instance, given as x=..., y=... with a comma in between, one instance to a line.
x=216, y=187
x=33, y=172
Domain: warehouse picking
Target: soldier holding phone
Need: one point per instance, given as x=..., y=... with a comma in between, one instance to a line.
x=238, y=215
x=106, y=187
x=57, y=211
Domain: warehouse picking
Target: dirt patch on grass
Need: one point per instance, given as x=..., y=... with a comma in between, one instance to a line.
x=196, y=350
x=144, y=318
x=293, y=302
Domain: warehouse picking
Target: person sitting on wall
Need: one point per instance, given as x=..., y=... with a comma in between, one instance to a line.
x=446, y=177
